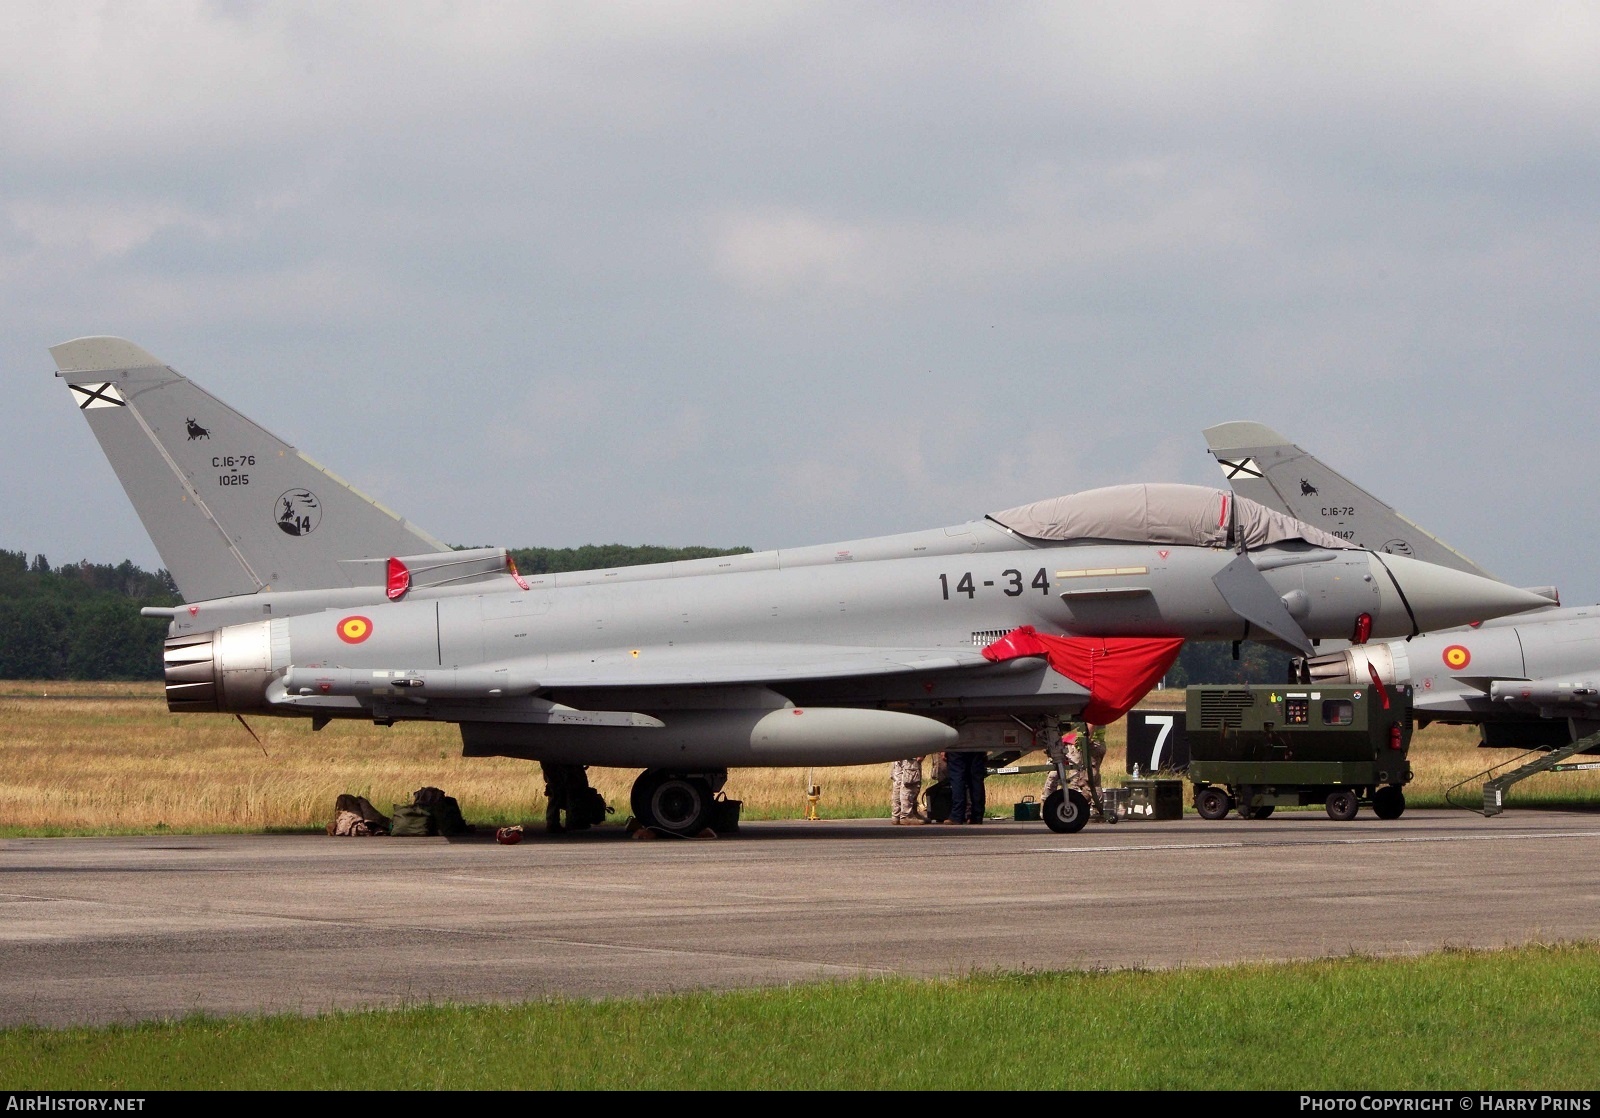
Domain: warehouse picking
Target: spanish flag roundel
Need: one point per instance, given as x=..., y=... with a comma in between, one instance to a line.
x=1457, y=657
x=354, y=629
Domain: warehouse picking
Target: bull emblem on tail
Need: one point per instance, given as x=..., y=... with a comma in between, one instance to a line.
x=196, y=431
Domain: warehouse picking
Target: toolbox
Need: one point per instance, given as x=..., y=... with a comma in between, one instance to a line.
x=1154, y=799
x=1027, y=811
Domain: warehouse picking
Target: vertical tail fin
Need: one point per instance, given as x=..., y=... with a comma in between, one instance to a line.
x=232, y=508
x=1264, y=466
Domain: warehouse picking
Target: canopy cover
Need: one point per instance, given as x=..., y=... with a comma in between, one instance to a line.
x=1193, y=515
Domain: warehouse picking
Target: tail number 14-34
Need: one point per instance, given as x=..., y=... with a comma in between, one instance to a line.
x=1010, y=584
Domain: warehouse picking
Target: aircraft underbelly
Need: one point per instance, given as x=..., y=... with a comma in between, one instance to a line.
x=718, y=739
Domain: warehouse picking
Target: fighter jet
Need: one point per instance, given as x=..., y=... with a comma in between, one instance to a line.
x=307, y=599
x=1528, y=681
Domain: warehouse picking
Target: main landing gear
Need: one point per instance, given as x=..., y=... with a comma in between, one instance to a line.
x=680, y=803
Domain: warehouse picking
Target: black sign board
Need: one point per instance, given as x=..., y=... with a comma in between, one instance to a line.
x=1157, y=741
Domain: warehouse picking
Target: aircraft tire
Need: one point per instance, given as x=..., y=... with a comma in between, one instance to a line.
x=1388, y=802
x=1343, y=806
x=668, y=802
x=1065, y=814
x=1212, y=803
x=639, y=794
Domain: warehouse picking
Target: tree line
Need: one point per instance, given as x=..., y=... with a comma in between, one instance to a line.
x=81, y=620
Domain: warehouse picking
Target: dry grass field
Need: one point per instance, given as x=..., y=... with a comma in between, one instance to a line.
x=85, y=758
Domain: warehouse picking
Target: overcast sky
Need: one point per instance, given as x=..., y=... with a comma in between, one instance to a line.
x=775, y=274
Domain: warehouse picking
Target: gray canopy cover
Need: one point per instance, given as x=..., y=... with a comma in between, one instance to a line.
x=1175, y=514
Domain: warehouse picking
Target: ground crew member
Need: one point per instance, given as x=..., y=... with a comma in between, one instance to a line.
x=905, y=791
x=968, y=768
x=1074, y=740
x=566, y=789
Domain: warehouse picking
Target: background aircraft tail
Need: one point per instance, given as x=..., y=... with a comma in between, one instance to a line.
x=232, y=508
x=1264, y=466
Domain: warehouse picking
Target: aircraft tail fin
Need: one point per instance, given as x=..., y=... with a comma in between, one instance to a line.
x=1264, y=466
x=232, y=508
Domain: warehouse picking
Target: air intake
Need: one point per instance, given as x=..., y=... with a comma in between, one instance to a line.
x=1221, y=710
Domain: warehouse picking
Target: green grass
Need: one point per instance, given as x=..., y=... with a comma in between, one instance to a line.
x=1458, y=1020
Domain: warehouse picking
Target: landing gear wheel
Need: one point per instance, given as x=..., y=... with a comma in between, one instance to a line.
x=1212, y=803
x=1343, y=806
x=1066, y=814
x=1388, y=802
x=639, y=794
x=680, y=804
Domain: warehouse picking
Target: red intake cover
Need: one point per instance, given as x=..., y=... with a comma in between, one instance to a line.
x=1118, y=671
x=399, y=579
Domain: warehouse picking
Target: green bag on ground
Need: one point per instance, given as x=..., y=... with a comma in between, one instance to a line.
x=411, y=821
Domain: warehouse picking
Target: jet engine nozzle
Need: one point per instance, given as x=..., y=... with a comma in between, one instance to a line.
x=227, y=669
x=1442, y=598
x=1356, y=665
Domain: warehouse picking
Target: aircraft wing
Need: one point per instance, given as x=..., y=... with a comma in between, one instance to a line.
x=742, y=662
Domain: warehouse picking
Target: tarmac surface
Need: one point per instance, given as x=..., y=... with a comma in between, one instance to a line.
x=97, y=930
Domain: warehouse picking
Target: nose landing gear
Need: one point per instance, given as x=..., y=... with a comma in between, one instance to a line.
x=1065, y=814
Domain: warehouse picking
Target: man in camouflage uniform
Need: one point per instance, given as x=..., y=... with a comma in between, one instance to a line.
x=1079, y=780
x=907, y=789
x=564, y=789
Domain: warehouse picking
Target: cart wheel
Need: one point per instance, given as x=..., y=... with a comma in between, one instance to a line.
x=1262, y=812
x=1065, y=814
x=1388, y=802
x=1343, y=806
x=1212, y=802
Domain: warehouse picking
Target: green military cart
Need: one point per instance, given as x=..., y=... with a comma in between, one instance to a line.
x=1252, y=748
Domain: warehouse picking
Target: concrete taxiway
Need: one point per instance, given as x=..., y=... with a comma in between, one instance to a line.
x=123, y=929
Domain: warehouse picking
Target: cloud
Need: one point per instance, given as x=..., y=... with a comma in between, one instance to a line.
x=1048, y=220
x=777, y=253
x=781, y=273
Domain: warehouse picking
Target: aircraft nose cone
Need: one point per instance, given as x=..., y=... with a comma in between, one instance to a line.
x=1441, y=597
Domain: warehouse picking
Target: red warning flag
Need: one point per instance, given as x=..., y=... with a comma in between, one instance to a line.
x=1118, y=671
x=511, y=567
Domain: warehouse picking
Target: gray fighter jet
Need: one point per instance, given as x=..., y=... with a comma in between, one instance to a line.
x=1529, y=681
x=306, y=598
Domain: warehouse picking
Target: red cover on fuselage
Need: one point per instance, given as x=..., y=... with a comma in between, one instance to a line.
x=1118, y=671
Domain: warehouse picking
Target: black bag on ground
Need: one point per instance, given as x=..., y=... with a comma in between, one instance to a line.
x=725, y=816
x=447, y=817
x=591, y=807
